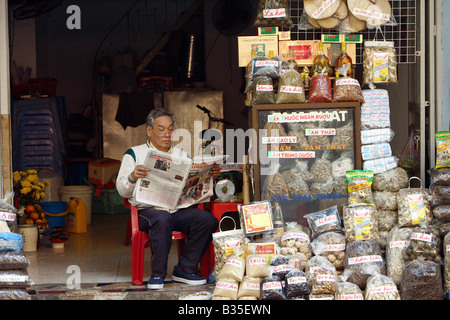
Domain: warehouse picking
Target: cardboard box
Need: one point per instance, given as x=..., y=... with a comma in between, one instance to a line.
x=260, y=44
x=302, y=51
x=102, y=170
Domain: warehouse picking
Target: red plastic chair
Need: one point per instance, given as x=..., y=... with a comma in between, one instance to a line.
x=140, y=240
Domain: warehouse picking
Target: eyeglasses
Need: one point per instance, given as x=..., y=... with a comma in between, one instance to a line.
x=161, y=132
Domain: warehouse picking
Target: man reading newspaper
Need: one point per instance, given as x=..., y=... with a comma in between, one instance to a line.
x=159, y=222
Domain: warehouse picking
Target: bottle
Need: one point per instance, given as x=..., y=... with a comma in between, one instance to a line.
x=344, y=58
x=278, y=221
x=321, y=61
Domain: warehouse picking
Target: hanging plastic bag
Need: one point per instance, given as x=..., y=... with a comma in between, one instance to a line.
x=379, y=62
x=273, y=13
x=414, y=206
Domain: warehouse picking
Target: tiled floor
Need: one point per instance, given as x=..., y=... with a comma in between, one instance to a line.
x=100, y=254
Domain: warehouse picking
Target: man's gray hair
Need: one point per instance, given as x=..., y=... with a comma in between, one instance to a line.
x=158, y=112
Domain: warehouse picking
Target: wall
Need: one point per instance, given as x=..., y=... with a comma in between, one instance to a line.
x=446, y=65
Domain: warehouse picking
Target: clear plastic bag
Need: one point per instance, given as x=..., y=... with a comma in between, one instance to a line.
x=380, y=62
x=359, y=255
x=263, y=92
x=280, y=266
x=323, y=221
x=296, y=285
x=320, y=89
x=421, y=280
x=15, y=279
x=385, y=200
x=442, y=213
x=321, y=276
x=234, y=268
x=381, y=287
x=267, y=67
x=10, y=241
x=331, y=246
x=447, y=262
x=256, y=266
x=387, y=219
x=425, y=243
x=414, y=207
x=295, y=239
x=273, y=13
x=361, y=223
x=272, y=288
x=250, y=287
x=227, y=288
x=347, y=89
x=14, y=294
x=391, y=180
x=348, y=291
x=397, y=242
x=225, y=243
x=440, y=194
x=13, y=260
x=440, y=177
x=290, y=88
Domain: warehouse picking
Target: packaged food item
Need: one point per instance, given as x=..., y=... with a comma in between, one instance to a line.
x=14, y=294
x=321, y=170
x=234, y=268
x=226, y=288
x=442, y=149
x=331, y=246
x=295, y=239
x=275, y=186
x=256, y=217
x=397, y=243
x=290, y=88
x=321, y=276
x=359, y=187
x=250, y=287
x=440, y=194
x=256, y=266
x=267, y=66
x=296, y=285
x=225, y=243
x=280, y=266
x=379, y=62
x=273, y=13
x=361, y=223
x=442, y=213
x=391, y=180
x=8, y=214
x=440, y=176
x=263, y=91
x=421, y=280
x=425, y=243
x=272, y=288
x=348, y=291
x=447, y=262
x=320, y=89
x=380, y=165
x=375, y=151
x=414, y=207
x=326, y=220
x=360, y=255
x=346, y=89
x=387, y=219
x=10, y=241
x=375, y=111
x=15, y=279
x=13, y=260
x=381, y=287
x=385, y=200
x=265, y=247
x=373, y=136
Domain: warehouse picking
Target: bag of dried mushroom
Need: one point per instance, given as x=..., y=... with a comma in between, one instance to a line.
x=385, y=200
x=225, y=243
x=296, y=240
x=321, y=276
x=331, y=246
x=359, y=187
x=440, y=177
x=290, y=87
x=361, y=223
x=380, y=287
x=421, y=280
x=323, y=221
x=425, y=243
x=397, y=242
x=359, y=255
x=414, y=207
x=346, y=89
x=391, y=180
x=348, y=291
x=440, y=194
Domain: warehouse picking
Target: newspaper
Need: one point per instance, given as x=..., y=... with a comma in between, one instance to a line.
x=175, y=182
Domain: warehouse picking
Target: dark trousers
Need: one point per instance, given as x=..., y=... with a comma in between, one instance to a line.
x=196, y=224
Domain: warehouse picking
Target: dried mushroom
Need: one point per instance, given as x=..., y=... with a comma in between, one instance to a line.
x=361, y=223
x=381, y=287
x=321, y=276
x=413, y=207
x=391, y=180
x=397, y=242
x=425, y=242
x=331, y=246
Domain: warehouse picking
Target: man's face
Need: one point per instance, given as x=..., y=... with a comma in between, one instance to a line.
x=161, y=133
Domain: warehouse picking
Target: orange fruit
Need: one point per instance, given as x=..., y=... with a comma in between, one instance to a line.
x=29, y=209
x=34, y=215
x=29, y=221
x=37, y=207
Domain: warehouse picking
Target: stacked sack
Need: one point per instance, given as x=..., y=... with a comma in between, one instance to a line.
x=440, y=192
x=14, y=278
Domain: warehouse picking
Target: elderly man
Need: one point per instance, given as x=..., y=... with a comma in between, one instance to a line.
x=159, y=223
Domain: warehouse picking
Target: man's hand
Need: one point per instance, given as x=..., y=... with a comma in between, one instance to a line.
x=139, y=172
x=215, y=172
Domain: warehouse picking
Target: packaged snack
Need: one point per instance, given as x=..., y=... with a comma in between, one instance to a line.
x=273, y=13
x=379, y=62
x=361, y=223
x=359, y=187
x=442, y=149
x=225, y=243
x=256, y=217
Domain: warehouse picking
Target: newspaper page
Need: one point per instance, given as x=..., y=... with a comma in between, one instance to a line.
x=175, y=182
